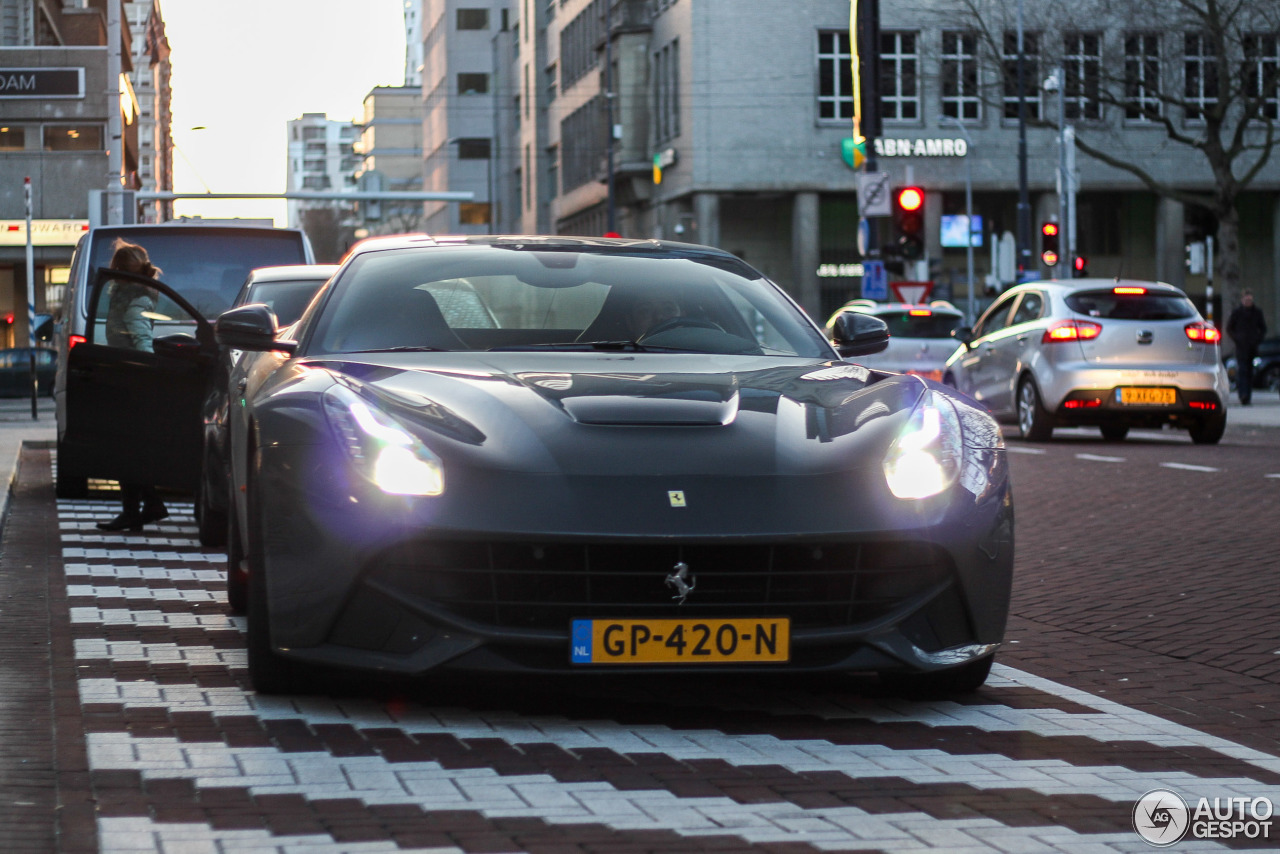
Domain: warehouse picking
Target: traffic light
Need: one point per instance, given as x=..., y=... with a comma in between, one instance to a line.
x=908, y=215
x=1049, y=244
x=1080, y=267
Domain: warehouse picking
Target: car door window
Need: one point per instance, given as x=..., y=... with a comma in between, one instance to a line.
x=1030, y=308
x=995, y=317
x=132, y=315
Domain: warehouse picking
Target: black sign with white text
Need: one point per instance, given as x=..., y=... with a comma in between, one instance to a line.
x=41, y=82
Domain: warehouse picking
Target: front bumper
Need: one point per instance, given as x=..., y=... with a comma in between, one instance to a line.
x=396, y=595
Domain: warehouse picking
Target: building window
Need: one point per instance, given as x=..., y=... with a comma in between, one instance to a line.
x=666, y=84
x=578, y=41
x=899, y=76
x=473, y=213
x=310, y=133
x=72, y=137
x=835, y=76
x=1142, y=77
x=473, y=149
x=960, y=98
x=313, y=166
x=1082, y=61
x=473, y=19
x=1200, y=75
x=1262, y=73
x=316, y=182
x=582, y=136
x=1030, y=74
x=13, y=139
x=550, y=77
x=470, y=83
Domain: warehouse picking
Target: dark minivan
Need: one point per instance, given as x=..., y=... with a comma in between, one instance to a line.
x=106, y=398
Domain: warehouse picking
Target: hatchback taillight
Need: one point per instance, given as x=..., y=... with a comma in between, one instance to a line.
x=1071, y=330
x=1203, y=332
x=74, y=340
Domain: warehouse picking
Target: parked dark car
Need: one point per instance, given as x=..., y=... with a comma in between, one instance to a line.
x=15, y=371
x=576, y=455
x=205, y=264
x=286, y=291
x=1266, y=366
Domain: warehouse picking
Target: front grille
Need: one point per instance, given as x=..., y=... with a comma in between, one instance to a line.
x=545, y=586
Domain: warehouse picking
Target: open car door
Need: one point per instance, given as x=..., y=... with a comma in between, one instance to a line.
x=135, y=387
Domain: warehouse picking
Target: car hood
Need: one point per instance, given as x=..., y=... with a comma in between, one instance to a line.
x=618, y=414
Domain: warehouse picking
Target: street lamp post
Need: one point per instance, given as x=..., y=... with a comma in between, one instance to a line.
x=968, y=215
x=1024, y=200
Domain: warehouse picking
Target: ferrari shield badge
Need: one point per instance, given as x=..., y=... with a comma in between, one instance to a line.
x=676, y=497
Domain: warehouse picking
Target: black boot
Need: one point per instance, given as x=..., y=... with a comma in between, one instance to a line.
x=153, y=511
x=123, y=522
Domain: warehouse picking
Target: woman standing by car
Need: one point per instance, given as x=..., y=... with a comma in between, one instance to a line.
x=129, y=326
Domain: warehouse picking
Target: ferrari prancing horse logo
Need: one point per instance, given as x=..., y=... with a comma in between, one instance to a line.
x=676, y=497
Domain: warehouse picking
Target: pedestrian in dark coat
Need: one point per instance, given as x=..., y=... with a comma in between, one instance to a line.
x=1247, y=327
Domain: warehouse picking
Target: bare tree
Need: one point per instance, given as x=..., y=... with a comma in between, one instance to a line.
x=330, y=237
x=1205, y=72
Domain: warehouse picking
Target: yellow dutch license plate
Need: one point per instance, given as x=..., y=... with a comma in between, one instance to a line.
x=1148, y=396
x=738, y=640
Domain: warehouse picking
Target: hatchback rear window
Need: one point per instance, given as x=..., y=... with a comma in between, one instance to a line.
x=207, y=264
x=1113, y=306
x=903, y=324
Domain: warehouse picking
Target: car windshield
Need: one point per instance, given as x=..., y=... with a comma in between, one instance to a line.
x=920, y=323
x=207, y=265
x=1109, y=305
x=479, y=297
x=287, y=299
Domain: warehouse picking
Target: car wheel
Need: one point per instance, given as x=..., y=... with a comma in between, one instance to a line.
x=1209, y=431
x=1114, y=432
x=211, y=525
x=1032, y=418
x=1271, y=379
x=69, y=487
x=954, y=680
x=237, y=578
x=270, y=673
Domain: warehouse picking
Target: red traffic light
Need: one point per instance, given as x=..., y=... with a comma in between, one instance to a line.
x=1080, y=263
x=1049, y=257
x=1049, y=229
x=910, y=199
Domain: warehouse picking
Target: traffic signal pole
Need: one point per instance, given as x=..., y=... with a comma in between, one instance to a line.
x=1024, y=199
x=865, y=43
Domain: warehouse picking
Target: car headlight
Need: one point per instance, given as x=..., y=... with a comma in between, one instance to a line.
x=381, y=447
x=925, y=459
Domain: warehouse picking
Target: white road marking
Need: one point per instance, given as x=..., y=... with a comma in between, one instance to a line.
x=1188, y=467
x=1019, y=449
x=1098, y=458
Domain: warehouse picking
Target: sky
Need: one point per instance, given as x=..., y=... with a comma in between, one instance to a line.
x=242, y=69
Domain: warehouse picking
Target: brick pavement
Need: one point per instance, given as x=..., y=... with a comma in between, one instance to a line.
x=171, y=753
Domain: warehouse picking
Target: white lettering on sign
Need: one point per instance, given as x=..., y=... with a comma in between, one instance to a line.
x=44, y=232
x=17, y=82
x=921, y=147
x=834, y=271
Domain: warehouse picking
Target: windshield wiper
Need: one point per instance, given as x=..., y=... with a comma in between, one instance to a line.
x=576, y=346
x=407, y=348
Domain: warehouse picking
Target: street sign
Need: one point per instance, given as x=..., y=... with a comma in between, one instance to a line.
x=875, y=284
x=915, y=293
x=873, y=194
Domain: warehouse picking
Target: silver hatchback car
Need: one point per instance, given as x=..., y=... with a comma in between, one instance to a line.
x=1113, y=354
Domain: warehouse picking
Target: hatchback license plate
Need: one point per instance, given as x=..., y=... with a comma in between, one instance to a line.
x=1147, y=396
x=738, y=640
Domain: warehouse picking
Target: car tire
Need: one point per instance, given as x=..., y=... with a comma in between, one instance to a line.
x=269, y=672
x=69, y=487
x=211, y=525
x=1034, y=421
x=954, y=680
x=1114, y=432
x=1209, y=430
x=237, y=579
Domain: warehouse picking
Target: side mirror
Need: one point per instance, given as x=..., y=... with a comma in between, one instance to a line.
x=250, y=327
x=964, y=335
x=856, y=334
